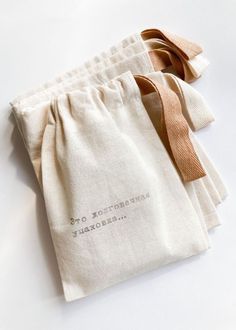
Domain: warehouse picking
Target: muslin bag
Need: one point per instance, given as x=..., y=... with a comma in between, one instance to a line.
x=115, y=203
x=130, y=55
x=32, y=122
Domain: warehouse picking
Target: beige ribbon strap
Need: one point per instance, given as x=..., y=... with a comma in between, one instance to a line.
x=187, y=48
x=169, y=51
x=175, y=130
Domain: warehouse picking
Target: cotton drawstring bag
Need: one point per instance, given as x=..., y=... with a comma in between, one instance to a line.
x=196, y=112
x=33, y=122
x=34, y=111
x=115, y=203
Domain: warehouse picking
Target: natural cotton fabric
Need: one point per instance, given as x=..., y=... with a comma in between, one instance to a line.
x=115, y=203
x=195, y=110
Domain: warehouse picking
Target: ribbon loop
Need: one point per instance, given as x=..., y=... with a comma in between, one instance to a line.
x=174, y=130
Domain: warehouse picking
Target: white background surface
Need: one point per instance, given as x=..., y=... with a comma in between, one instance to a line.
x=38, y=40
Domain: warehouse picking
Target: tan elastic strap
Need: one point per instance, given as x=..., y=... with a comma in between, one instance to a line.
x=175, y=130
x=187, y=48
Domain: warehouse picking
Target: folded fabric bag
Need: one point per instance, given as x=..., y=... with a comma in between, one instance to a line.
x=115, y=203
x=196, y=112
x=51, y=119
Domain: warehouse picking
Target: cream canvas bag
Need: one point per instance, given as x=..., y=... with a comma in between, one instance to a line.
x=115, y=203
x=33, y=122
